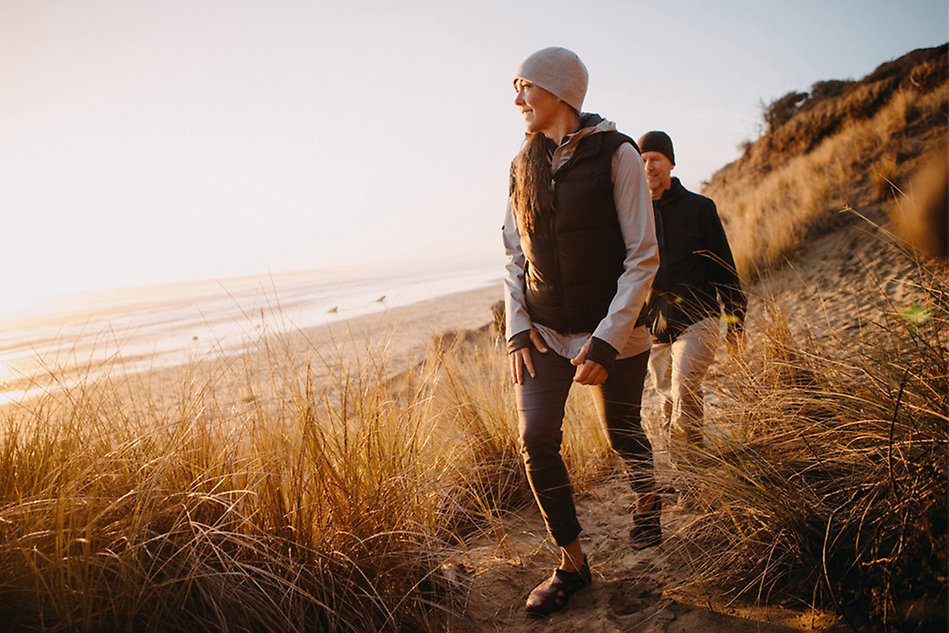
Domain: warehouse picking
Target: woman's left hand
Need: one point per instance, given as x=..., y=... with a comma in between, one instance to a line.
x=589, y=372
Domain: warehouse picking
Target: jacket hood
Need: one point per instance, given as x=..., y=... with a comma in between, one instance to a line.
x=590, y=123
x=592, y=119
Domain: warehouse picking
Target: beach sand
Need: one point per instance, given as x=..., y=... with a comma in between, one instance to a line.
x=381, y=344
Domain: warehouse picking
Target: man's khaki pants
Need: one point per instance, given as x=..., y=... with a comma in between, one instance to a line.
x=677, y=370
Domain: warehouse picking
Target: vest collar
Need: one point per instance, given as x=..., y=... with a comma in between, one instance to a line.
x=590, y=126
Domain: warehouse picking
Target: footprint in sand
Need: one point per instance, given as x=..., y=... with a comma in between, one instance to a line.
x=633, y=595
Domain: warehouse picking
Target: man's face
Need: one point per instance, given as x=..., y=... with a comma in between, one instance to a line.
x=658, y=171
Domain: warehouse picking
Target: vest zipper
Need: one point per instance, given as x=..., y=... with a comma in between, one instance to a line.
x=561, y=296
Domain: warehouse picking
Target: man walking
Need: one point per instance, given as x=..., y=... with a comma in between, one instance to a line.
x=695, y=284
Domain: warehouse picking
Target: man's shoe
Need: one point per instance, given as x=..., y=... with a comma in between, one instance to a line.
x=647, y=527
x=645, y=534
x=554, y=593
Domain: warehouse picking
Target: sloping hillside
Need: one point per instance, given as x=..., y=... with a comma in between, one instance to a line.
x=837, y=216
x=842, y=144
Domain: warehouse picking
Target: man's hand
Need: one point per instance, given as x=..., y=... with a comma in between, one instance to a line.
x=521, y=358
x=589, y=372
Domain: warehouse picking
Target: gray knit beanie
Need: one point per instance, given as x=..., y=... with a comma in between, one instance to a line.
x=558, y=71
x=657, y=141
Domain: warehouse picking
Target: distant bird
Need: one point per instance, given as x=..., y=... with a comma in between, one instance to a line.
x=381, y=299
x=333, y=310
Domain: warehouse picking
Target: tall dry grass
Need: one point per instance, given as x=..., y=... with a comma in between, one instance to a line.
x=771, y=210
x=262, y=498
x=832, y=487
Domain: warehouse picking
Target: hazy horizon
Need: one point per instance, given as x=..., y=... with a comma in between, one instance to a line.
x=173, y=325
x=145, y=144
x=88, y=300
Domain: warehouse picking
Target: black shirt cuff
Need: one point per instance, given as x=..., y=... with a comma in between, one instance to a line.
x=519, y=341
x=602, y=353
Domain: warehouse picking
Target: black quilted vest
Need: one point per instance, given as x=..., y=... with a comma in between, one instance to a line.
x=576, y=253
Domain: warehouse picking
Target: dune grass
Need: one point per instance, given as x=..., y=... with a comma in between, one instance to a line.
x=348, y=506
x=854, y=150
x=289, y=503
x=308, y=505
x=275, y=499
x=832, y=486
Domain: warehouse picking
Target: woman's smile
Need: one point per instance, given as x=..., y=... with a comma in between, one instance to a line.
x=538, y=107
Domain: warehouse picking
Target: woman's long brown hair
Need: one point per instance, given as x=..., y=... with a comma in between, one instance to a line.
x=531, y=193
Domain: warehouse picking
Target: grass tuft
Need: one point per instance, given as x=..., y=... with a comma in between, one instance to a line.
x=832, y=486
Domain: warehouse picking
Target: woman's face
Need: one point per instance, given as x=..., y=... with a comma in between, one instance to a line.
x=538, y=107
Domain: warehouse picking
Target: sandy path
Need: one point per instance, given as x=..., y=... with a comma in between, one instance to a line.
x=631, y=591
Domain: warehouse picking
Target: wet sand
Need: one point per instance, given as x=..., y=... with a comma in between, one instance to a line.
x=382, y=343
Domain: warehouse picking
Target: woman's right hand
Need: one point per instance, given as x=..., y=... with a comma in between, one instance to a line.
x=521, y=358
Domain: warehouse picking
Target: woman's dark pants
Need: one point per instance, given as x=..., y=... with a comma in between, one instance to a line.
x=540, y=406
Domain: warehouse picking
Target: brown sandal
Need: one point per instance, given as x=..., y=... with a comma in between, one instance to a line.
x=553, y=594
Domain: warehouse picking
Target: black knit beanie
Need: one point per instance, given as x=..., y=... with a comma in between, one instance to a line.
x=656, y=141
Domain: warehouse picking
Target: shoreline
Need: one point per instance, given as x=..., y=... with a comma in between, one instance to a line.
x=394, y=339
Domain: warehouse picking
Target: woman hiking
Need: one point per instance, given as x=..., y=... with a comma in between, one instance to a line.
x=581, y=250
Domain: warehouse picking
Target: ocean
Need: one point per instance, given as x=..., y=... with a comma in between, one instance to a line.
x=139, y=329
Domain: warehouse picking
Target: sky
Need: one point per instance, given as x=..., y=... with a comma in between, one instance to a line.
x=154, y=142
